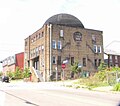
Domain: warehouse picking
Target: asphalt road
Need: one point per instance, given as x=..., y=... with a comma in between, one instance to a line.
x=49, y=94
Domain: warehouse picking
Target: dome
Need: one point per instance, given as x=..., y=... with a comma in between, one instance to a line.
x=65, y=20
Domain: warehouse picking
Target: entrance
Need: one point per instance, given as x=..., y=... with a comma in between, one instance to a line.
x=36, y=63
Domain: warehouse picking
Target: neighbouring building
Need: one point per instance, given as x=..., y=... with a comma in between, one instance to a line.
x=64, y=39
x=113, y=54
x=11, y=62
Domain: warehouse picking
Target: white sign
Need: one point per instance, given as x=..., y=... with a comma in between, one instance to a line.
x=65, y=61
x=79, y=65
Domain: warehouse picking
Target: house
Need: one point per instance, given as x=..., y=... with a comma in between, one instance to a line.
x=113, y=53
x=62, y=38
x=10, y=63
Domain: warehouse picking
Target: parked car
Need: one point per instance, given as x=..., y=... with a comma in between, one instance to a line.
x=5, y=79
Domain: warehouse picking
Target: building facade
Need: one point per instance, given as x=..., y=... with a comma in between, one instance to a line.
x=63, y=38
x=11, y=62
x=113, y=54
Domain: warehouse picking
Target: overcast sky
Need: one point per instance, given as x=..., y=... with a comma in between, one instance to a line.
x=21, y=18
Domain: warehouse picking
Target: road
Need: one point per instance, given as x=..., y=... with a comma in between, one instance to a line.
x=50, y=94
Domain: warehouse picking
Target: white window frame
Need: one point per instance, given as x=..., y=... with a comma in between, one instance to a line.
x=99, y=49
x=54, y=44
x=95, y=48
x=59, y=45
x=93, y=37
x=61, y=33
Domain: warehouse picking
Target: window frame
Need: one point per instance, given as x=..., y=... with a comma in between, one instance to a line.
x=54, y=44
x=84, y=62
x=99, y=50
x=61, y=33
x=95, y=48
x=59, y=46
x=53, y=59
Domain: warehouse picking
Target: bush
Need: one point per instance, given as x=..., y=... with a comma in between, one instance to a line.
x=10, y=74
x=102, y=66
x=18, y=73
x=116, y=87
x=26, y=73
x=101, y=75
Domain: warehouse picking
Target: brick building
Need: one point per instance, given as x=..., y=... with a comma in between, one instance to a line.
x=113, y=54
x=11, y=62
x=62, y=38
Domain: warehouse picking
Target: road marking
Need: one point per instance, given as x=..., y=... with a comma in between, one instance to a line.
x=2, y=98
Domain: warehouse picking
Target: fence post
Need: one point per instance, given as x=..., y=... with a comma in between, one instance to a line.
x=107, y=78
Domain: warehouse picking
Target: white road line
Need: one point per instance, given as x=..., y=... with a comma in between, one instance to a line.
x=2, y=98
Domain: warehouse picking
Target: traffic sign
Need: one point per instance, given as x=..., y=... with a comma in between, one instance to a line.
x=63, y=66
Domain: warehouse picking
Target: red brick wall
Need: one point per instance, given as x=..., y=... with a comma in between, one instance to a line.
x=20, y=60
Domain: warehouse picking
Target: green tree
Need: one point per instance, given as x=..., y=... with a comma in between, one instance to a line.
x=102, y=66
x=10, y=74
x=75, y=69
x=18, y=73
x=26, y=73
x=115, y=69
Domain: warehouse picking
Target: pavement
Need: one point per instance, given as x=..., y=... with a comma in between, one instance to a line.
x=59, y=84
x=2, y=98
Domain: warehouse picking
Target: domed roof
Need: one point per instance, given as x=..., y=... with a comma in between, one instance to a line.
x=65, y=20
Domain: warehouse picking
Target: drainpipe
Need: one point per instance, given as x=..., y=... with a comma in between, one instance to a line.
x=50, y=49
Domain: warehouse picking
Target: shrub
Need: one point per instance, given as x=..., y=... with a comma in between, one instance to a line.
x=10, y=74
x=18, y=73
x=102, y=66
x=116, y=87
x=75, y=69
x=26, y=73
x=101, y=75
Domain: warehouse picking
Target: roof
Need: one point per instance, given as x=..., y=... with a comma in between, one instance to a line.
x=113, y=48
x=65, y=20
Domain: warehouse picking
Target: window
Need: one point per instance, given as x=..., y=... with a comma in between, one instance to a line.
x=99, y=49
x=54, y=44
x=61, y=33
x=59, y=60
x=84, y=61
x=37, y=51
x=32, y=40
x=99, y=62
x=42, y=34
x=93, y=39
x=116, y=59
x=42, y=61
x=95, y=48
x=111, y=58
x=95, y=62
x=39, y=35
x=72, y=60
x=39, y=47
x=59, y=45
x=42, y=48
x=25, y=43
x=54, y=60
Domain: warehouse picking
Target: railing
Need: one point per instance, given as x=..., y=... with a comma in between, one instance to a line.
x=37, y=75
